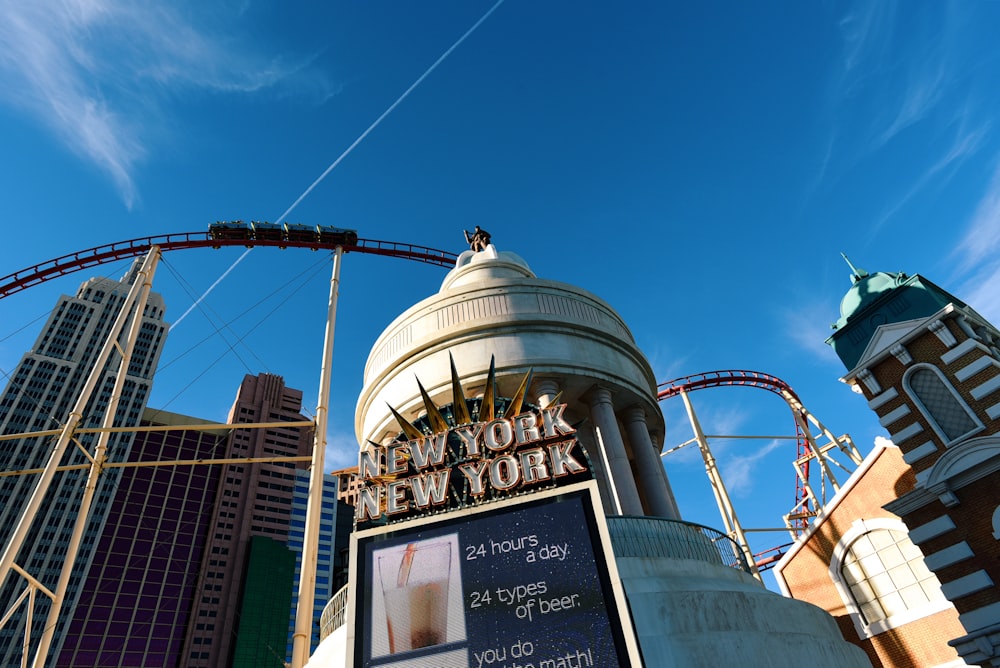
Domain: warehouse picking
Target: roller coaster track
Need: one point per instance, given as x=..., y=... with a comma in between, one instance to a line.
x=73, y=262
x=808, y=500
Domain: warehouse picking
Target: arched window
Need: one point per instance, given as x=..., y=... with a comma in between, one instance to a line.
x=882, y=577
x=950, y=417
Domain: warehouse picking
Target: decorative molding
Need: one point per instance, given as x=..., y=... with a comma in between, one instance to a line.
x=963, y=322
x=948, y=556
x=974, y=367
x=933, y=529
x=966, y=585
x=962, y=348
x=885, y=336
x=990, y=386
x=960, y=465
x=907, y=432
x=488, y=306
x=882, y=398
x=870, y=381
x=942, y=332
x=894, y=415
x=980, y=617
x=993, y=411
x=900, y=352
x=919, y=452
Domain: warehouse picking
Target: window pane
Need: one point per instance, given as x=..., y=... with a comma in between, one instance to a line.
x=944, y=409
x=886, y=575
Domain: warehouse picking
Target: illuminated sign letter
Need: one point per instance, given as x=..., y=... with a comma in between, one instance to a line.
x=395, y=460
x=470, y=438
x=526, y=428
x=473, y=472
x=562, y=462
x=552, y=418
x=395, y=501
x=369, y=499
x=368, y=464
x=504, y=472
x=430, y=488
x=533, y=466
x=428, y=451
x=499, y=434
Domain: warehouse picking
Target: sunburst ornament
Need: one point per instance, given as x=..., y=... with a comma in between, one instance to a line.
x=468, y=452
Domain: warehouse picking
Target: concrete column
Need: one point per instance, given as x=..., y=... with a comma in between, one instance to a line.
x=602, y=413
x=545, y=391
x=656, y=488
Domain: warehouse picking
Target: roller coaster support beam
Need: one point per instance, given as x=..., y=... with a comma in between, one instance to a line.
x=100, y=454
x=733, y=526
x=310, y=541
x=20, y=532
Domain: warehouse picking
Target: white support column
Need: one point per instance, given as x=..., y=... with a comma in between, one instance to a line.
x=310, y=539
x=659, y=497
x=733, y=527
x=546, y=390
x=602, y=412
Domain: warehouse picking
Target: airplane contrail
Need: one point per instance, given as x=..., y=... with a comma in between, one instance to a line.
x=347, y=152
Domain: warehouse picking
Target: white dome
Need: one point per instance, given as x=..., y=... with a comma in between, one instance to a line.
x=492, y=304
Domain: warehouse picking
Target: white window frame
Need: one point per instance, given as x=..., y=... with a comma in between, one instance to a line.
x=864, y=629
x=977, y=423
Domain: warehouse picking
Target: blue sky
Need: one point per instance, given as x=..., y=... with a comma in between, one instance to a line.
x=700, y=166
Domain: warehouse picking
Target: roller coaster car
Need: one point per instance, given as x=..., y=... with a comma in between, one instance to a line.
x=302, y=233
x=236, y=229
x=336, y=235
x=267, y=231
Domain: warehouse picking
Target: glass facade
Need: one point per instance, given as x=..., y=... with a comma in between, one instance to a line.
x=39, y=396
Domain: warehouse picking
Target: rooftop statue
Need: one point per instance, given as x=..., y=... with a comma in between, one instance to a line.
x=478, y=240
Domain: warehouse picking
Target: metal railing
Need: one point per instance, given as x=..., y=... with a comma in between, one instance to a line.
x=656, y=537
x=334, y=614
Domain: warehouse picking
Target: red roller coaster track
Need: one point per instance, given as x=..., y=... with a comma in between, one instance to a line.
x=68, y=264
x=698, y=381
x=744, y=378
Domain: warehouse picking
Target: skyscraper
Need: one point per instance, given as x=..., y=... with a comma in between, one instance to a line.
x=251, y=500
x=137, y=596
x=39, y=396
x=335, y=525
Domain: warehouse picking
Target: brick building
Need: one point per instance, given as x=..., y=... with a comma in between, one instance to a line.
x=855, y=547
x=929, y=366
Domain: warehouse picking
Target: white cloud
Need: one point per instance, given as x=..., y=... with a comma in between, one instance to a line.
x=738, y=470
x=95, y=71
x=982, y=238
x=341, y=450
x=966, y=143
x=808, y=326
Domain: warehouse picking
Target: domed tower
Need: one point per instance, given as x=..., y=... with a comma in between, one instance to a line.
x=491, y=305
x=691, y=597
x=929, y=366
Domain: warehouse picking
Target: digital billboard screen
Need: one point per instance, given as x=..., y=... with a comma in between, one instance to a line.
x=522, y=584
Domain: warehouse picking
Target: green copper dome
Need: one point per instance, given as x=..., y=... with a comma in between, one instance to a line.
x=878, y=299
x=867, y=288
